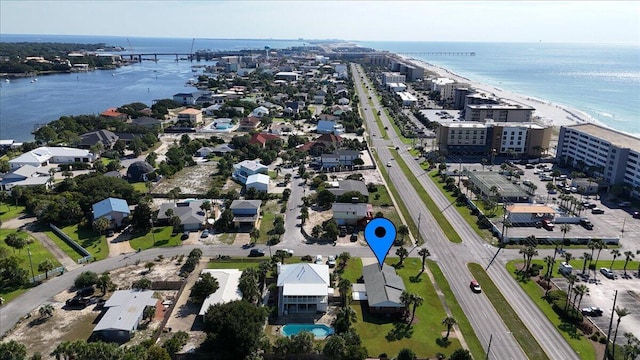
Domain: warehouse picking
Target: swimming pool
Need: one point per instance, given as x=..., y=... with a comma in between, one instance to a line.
x=319, y=331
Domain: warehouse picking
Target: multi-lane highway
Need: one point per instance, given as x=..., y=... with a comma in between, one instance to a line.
x=453, y=258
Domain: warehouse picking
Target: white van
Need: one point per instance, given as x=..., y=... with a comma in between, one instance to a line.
x=319, y=260
x=565, y=268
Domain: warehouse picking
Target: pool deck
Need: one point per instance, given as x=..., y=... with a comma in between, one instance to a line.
x=326, y=319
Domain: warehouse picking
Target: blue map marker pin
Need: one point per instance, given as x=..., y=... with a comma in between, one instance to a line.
x=380, y=233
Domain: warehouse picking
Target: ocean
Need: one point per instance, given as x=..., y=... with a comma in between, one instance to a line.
x=600, y=80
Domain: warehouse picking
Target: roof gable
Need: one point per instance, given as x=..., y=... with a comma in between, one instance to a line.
x=108, y=205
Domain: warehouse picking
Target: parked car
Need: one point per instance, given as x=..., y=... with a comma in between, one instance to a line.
x=110, y=233
x=78, y=302
x=354, y=237
x=319, y=260
x=636, y=214
x=548, y=224
x=256, y=252
x=205, y=233
x=592, y=311
x=607, y=273
x=331, y=261
x=84, y=292
x=586, y=223
x=475, y=286
x=597, y=210
x=185, y=235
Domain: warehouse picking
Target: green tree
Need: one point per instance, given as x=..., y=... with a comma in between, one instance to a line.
x=86, y=279
x=248, y=285
x=142, y=216
x=406, y=354
x=104, y=282
x=46, y=311
x=628, y=255
x=254, y=234
x=101, y=224
x=141, y=284
x=334, y=348
x=16, y=242
x=149, y=265
x=12, y=350
x=423, y=252
x=615, y=253
x=301, y=343
x=403, y=230
x=621, y=312
x=416, y=300
x=344, y=285
x=205, y=286
x=402, y=253
x=233, y=329
x=345, y=317
x=45, y=267
x=174, y=194
x=304, y=214
x=449, y=322
x=460, y=354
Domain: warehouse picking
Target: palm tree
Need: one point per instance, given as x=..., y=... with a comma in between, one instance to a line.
x=565, y=228
x=254, y=234
x=304, y=214
x=46, y=311
x=249, y=285
x=571, y=279
x=402, y=254
x=345, y=317
x=549, y=261
x=528, y=252
x=104, y=282
x=406, y=299
x=587, y=257
x=45, y=267
x=343, y=286
x=174, y=194
x=622, y=312
x=615, y=253
x=424, y=252
x=416, y=300
x=449, y=322
x=599, y=245
x=579, y=291
x=628, y=256
x=403, y=230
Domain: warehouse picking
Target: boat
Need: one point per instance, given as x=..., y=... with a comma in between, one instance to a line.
x=7, y=80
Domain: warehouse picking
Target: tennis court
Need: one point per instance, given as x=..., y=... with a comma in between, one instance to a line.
x=484, y=181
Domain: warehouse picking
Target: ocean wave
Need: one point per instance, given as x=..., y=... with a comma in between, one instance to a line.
x=620, y=75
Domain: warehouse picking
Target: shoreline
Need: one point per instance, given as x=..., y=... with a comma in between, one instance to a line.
x=547, y=112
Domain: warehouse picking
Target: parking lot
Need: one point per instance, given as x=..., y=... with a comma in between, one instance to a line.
x=601, y=294
x=615, y=222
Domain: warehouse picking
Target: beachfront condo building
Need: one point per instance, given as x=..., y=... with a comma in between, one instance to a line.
x=500, y=113
x=481, y=137
x=604, y=152
x=392, y=77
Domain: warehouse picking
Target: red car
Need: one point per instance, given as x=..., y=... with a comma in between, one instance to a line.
x=475, y=287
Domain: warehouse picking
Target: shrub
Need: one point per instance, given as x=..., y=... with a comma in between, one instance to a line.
x=306, y=258
x=594, y=337
x=602, y=340
x=585, y=328
x=86, y=279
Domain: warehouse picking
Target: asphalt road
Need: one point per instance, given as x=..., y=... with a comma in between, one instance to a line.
x=453, y=258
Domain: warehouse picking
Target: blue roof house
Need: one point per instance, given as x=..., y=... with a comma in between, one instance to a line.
x=115, y=210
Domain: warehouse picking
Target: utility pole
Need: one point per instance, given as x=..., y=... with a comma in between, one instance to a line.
x=489, y=347
x=418, y=237
x=613, y=311
x=33, y=276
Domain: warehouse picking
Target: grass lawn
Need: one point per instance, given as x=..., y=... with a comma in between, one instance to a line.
x=269, y=212
x=446, y=227
x=398, y=132
x=226, y=238
x=475, y=347
x=380, y=197
x=464, y=211
x=95, y=244
x=403, y=208
x=383, y=335
x=38, y=254
x=519, y=330
x=579, y=343
x=10, y=211
x=140, y=186
x=163, y=238
x=353, y=270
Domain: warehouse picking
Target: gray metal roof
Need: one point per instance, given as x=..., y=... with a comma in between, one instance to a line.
x=125, y=308
x=350, y=185
x=384, y=287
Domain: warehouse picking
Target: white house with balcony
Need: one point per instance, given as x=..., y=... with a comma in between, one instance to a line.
x=303, y=288
x=246, y=168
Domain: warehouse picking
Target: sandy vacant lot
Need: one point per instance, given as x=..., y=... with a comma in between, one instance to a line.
x=66, y=324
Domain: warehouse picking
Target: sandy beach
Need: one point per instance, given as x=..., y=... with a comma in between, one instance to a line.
x=546, y=112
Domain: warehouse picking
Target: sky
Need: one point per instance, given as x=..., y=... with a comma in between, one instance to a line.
x=492, y=21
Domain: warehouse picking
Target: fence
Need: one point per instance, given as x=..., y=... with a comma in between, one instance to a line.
x=54, y=272
x=87, y=255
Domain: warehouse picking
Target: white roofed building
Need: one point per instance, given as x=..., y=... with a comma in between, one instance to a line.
x=124, y=312
x=303, y=288
x=45, y=155
x=228, y=280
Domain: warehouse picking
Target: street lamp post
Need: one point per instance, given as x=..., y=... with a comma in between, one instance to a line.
x=153, y=233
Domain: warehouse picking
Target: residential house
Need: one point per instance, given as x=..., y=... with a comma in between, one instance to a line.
x=262, y=138
x=343, y=101
x=245, y=212
x=125, y=309
x=114, y=114
x=328, y=117
x=204, y=151
x=342, y=187
x=351, y=213
x=185, y=98
x=138, y=171
x=244, y=169
x=280, y=128
x=293, y=107
x=383, y=289
x=210, y=110
x=191, y=215
x=45, y=155
x=106, y=137
x=329, y=141
x=329, y=127
x=191, y=116
x=339, y=158
x=303, y=288
x=113, y=209
x=260, y=111
x=228, y=291
x=287, y=76
x=340, y=109
x=222, y=149
x=148, y=122
x=249, y=123
x=260, y=182
x=318, y=99
x=26, y=175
